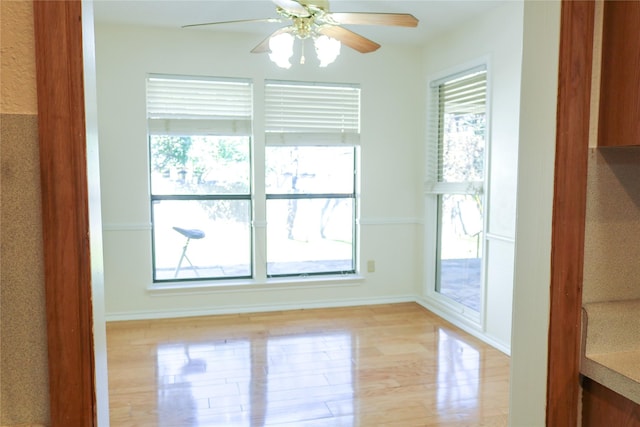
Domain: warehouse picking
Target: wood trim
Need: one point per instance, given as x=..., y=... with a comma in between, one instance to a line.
x=61, y=122
x=568, y=220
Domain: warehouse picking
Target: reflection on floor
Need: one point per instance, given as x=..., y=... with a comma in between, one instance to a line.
x=387, y=365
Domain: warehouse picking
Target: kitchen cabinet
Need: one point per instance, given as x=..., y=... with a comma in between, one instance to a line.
x=611, y=345
x=603, y=407
x=619, y=115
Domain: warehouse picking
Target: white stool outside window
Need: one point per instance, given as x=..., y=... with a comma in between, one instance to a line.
x=192, y=233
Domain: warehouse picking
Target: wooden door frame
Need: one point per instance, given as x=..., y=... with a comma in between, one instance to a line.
x=569, y=207
x=65, y=212
x=65, y=206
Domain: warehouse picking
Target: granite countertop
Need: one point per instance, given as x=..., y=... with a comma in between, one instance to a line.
x=611, y=346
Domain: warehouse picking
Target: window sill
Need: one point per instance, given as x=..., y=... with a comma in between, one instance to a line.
x=242, y=285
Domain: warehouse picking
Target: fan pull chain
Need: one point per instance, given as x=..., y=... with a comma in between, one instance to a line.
x=302, y=54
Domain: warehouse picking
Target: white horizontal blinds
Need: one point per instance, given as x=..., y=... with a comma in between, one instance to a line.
x=302, y=113
x=198, y=105
x=457, y=132
x=434, y=135
x=464, y=95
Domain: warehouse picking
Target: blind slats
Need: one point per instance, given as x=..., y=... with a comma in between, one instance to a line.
x=176, y=104
x=460, y=97
x=456, y=126
x=301, y=108
x=175, y=97
x=479, y=78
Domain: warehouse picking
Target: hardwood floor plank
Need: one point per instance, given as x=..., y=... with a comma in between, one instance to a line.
x=393, y=364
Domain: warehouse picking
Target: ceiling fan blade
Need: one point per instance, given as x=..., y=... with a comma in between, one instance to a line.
x=293, y=7
x=357, y=18
x=234, y=22
x=263, y=46
x=349, y=38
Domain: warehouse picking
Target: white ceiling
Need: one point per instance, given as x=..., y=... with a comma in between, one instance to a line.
x=434, y=16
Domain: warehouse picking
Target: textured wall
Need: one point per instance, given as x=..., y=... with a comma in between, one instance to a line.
x=18, y=63
x=23, y=353
x=612, y=247
x=23, y=349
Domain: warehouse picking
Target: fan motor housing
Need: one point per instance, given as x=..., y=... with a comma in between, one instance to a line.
x=317, y=4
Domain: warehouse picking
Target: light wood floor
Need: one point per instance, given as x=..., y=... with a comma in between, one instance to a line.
x=384, y=365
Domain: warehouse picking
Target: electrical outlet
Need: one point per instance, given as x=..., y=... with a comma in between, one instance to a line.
x=371, y=266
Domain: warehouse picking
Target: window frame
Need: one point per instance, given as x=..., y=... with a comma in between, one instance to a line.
x=288, y=122
x=310, y=196
x=435, y=189
x=161, y=120
x=258, y=197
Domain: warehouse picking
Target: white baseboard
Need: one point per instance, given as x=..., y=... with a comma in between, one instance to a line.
x=261, y=308
x=257, y=308
x=465, y=326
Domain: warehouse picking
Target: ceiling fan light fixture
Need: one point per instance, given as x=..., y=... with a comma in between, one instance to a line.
x=311, y=19
x=281, y=49
x=327, y=49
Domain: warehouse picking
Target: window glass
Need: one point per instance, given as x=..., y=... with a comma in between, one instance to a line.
x=320, y=170
x=310, y=210
x=201, y=207
x=458, y=132
x=461, y=127
x=200, y=239
x=200, y=164
x=463, y=146
x=460, y=248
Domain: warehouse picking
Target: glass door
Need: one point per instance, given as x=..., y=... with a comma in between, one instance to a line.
x=459, y=249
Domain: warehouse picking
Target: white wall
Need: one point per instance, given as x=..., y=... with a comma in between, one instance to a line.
x=392, y=114
x=95, y=217
x=529, y=343
x=496, y=37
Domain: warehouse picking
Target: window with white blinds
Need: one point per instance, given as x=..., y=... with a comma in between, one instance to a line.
x=311, y=134
x=179, y=104
x=303, y=113
x=200, y=139
x=455, y=200
x=204, y=185
x=457, y=129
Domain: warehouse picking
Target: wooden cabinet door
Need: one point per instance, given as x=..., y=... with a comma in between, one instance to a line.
x=619, y=123
x=603, y=407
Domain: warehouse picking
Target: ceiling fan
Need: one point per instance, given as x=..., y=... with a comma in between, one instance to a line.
x=312, y=19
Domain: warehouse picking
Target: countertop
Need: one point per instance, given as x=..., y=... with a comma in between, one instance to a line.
x=611, y=346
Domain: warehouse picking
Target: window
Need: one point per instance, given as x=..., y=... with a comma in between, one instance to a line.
x=456, y=185
x=310, y=210
x=312, y=132
x=200, y=177
x=207, y=200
